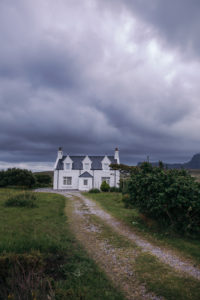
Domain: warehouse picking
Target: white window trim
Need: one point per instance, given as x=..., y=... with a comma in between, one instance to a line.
x=70, y=166
x=65, y=179
x=106, y=166
x=86, y=182
x=88, y=166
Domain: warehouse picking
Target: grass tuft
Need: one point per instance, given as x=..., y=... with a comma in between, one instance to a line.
x=23, y=199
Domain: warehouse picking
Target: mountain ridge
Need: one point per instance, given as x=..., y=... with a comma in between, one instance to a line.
x=194, y=163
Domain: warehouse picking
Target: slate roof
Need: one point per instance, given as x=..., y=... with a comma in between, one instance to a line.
x=86, y=175
x=77, y=162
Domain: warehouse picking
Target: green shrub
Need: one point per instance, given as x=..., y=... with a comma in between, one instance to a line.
x=172, y=197
x=105, y=186
x=43, y=180
x=17, y=177
x=127, y=201
x=94, y=191
x=124, y=186
x=24, y=199
x=114, y=189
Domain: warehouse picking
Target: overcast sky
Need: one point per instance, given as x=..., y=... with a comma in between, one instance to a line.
x=95, y=74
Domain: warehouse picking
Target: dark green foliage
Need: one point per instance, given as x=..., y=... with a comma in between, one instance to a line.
x=127, y=201
x=124, y=187
x=43, y=180
x=23, y=199
x=22, y=276
x=114, y=189
x=17, y=177
x=105, y=186
x=172, y=197
x=94, y=191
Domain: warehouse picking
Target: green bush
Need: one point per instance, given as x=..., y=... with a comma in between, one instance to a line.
x=114, y=189
x=94, y=191
x=24, y=199
x=172, y=197
x=43, y=180
x=127, y=201
x=105, y=186
x=17, y=177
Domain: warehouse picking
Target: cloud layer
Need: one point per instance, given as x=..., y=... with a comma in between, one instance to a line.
x=91, y=75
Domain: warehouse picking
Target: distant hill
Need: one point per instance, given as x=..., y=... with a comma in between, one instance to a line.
x=194, y=164
x=50, y=173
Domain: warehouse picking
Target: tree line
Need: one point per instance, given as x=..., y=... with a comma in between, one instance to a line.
x=23, y=178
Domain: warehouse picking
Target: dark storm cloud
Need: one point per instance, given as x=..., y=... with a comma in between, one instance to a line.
x=89, y=76
x=177, y=22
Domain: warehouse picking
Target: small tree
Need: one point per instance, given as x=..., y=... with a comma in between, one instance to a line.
x=105, y=186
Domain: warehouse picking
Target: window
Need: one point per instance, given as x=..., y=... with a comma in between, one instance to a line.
x=86, y=166
x=106, y=179
x=85, y=182
x=68, y=167
x=106, y=166
x=67, y=180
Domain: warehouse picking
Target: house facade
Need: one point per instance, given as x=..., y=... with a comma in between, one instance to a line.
x=85, y=172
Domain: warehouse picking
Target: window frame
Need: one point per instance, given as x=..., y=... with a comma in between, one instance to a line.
x=69, y=166
x=85, y=180
x=67, y=180
x=88, y=166
x=106, y=166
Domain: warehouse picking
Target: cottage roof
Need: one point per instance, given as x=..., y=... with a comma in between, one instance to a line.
x=86, y=175
x=77, y=162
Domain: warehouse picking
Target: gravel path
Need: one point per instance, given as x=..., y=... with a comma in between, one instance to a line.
x=166, y=256
x=115, y=261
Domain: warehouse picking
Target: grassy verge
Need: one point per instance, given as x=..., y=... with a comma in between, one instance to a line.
x=163, y=280
x=112, y=202
x=39, y=257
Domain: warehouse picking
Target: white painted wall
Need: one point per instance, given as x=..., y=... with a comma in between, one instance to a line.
x=77, y=183
x=83, y=187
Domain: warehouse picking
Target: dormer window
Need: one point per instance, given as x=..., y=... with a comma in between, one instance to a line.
x=86, y=166
x=106, y=163
x=68, y=166
x=86, y=163
x=106, y=166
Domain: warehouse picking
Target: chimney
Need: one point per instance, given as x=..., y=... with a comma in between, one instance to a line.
x=60, y=153
x=117, y=155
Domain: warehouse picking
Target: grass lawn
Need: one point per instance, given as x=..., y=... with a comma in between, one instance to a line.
x=113, y=204
x=39, y=257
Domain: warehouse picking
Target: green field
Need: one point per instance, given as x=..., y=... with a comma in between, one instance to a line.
x=39, y=257
x=112, y=202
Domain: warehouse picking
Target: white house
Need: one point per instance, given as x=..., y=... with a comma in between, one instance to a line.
x=85, y=172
